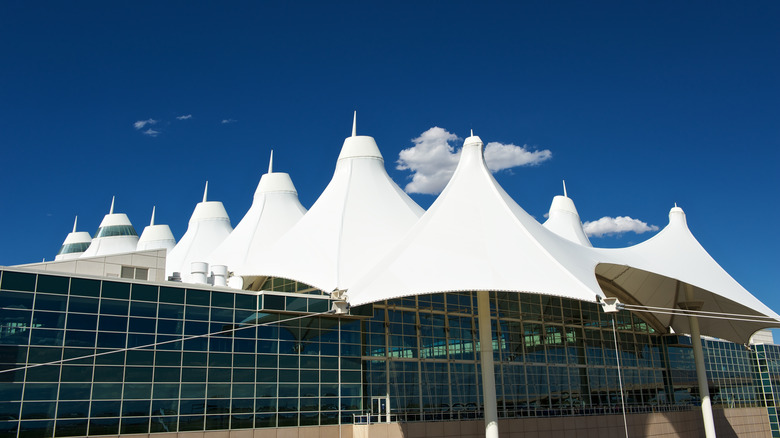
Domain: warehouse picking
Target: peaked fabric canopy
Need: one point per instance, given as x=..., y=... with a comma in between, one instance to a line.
x=275, y=209
x=655, y=273
x=209, y=225
x=564, y=221
x=156, y=236
x=356, y=219
x=115, y=235
x=475, y=237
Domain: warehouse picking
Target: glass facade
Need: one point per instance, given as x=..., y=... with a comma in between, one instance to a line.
x=82, y=356
x=109, y=357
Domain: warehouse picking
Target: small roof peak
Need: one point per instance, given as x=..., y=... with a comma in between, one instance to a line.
x=564, y=189
x=271, y=162
x=354, y=124
x=206, y=192
x=111, y=210
x=472, y=132
x=75, y=221
x=151, y=222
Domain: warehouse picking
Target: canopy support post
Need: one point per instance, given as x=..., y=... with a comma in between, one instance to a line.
x=698, y=357
x=486, y=361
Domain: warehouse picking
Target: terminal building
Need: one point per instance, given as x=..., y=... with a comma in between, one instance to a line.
x=366, y=315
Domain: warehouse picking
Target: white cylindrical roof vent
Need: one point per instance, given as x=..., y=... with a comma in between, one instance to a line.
x=220, y=275
x=198, y=271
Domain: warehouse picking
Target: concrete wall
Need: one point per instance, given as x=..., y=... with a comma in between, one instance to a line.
x=108, y=266
x=742, y=423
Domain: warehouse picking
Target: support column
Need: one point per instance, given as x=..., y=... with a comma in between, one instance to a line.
x=486, y=360
x=698, y=357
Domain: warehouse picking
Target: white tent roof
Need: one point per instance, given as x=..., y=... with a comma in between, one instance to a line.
x=209, y=225
x=360, y=215
x=115, y=235
x=156, y=237
x=654, y=273
x=76, y=242
x=564, y=220
x=275, y=209
x=475, y=237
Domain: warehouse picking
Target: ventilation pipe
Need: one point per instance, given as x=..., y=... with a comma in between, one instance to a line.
x=198, y=271
x=219, y=274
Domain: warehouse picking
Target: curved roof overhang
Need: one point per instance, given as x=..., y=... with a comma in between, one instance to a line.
x=664, y=297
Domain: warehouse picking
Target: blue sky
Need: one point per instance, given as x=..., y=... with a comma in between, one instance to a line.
x=640, y=105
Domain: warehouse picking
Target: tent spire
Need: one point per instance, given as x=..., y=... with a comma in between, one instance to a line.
x=564, y=189
x=111, y=210
x=472, y=132
x=151, y=223
x=205, y=191
x=271, y=162
x=354, y=124
x=75, y=221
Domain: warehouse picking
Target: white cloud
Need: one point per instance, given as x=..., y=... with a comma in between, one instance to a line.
x=616, y=225
x=141, y=123
x=504, y=156
x=433, y=158
x=226, y=121
x=187, y=117
x=151, y=132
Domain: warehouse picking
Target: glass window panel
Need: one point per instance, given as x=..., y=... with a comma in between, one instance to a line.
x=85, y=287
x=18, y=281
x=134, y=425
x=165, y=407
x=113, y=307
x=75, y=373
x=244, y=301
x=218, y=390
x=117, y=290
x=173, y=295
x=144, y=292
x=171, y=311
x=112, y=323
x=221, y=299
x=166, y=374
x=49, y=373
x=46, y=337
x=197, y=313
x=139, y=357
x=165, y=390
x=191, y=422
x=82, y=322
x=273, y=302
x=52, y=284
x=140, y=308
x=75, y=391
x=111, y=340
x=51, y=302
x=34, y=411
x=48, y=319
x=193, y=375
x=192, y=390
x=16, y=300
x=197, y=297
x=9, y=411
x=73, y=409
x=137, y=391
x=104, y=426
x=106, y=408
x=295, y=304
x=83, y=305
x=71, y=428
x=142, y=325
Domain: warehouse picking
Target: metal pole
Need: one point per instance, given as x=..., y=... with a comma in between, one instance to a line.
x=486, y=359
x=620, y=378
x=698, y=357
